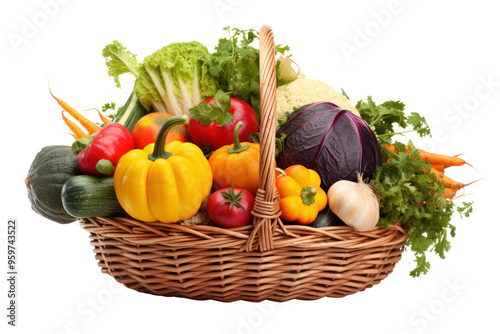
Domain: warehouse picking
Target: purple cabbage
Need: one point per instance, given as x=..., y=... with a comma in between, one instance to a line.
x=333, y=141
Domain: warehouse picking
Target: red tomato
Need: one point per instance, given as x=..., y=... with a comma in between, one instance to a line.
x=216, y=136
x=230, y=207
x=146, y=130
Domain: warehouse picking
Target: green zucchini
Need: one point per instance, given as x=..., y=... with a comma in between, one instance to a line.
x=131, y=112
x=90, y=196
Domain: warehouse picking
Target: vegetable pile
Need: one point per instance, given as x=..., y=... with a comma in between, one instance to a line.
x=184, y=149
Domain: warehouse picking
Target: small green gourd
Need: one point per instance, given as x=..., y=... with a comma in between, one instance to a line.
x=50, y=169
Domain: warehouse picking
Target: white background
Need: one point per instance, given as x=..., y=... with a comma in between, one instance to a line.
x=434, y=56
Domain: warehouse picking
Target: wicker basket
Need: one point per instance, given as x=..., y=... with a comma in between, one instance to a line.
x=263, y=261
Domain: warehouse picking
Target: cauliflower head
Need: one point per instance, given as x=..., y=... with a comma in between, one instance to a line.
x=303, y=91
x=200, y=218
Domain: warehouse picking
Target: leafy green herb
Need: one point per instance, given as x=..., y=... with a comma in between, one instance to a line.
x=412, y=196
x=108, y=106
x=283, y=120
x=285, y=73
x=255, y=137
x=110, y=111
x=207, y=151
x=217, y=110
x=408, y=192
x=383, y=118
x=279, y=143
x=465, y=210
x=282, y=49
x=279, y=139
x=419, y=124
x=235, y=65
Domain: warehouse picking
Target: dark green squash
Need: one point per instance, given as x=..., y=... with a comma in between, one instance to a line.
x=91, y=196
x=326, y=218
x=50, y=169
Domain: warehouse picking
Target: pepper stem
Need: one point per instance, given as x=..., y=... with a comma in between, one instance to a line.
x=159, y=148
x=237, y=147
x=105, y=167
x=81, y=144
x=308, y=195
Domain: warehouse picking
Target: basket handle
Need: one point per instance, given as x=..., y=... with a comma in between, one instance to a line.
x=266, y=210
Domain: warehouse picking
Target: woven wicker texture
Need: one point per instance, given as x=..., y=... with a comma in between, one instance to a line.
x=266, y=209
x=205, y=262
x=263, y=261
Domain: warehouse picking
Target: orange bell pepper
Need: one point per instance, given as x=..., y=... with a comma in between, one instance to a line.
x=236, y=165
x=301, y=195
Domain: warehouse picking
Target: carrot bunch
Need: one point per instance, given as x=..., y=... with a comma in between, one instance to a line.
x=88, y=125
x=439, y=163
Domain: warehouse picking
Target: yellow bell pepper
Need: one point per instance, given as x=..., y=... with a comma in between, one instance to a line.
x=166, y=183
x=301, y=197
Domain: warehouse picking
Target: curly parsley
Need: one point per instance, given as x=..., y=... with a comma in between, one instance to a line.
x=384, y=117
x=235, y=65
x=408, y=193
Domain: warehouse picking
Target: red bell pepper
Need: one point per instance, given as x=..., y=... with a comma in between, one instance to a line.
x=99, y=156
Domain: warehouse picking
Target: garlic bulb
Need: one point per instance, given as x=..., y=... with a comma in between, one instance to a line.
x=355, y=203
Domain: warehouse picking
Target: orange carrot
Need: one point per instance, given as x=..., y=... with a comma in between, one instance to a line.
x=448, y=182
x=454, y=185
x=449, y=193
x=439, y=168
x=436, y=159
x=439, y=159
x=77, y=132
x=103, y=118
x=391, y=148
x=439, y=174
x=88, y=125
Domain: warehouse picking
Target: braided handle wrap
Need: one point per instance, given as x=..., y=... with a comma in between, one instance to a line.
x=266, y=210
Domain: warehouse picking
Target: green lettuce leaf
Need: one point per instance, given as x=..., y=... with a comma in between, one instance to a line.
x=119, y=60
x=175, y=78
